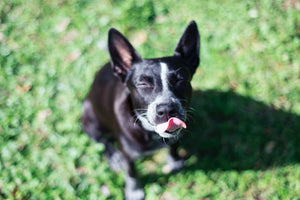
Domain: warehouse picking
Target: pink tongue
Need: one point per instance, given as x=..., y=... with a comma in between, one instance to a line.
x=171, y=125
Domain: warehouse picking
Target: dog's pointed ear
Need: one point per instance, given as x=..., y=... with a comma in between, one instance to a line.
x=122, y=53
x=188, y=46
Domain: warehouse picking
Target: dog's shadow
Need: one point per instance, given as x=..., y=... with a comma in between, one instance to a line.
x=231, y=132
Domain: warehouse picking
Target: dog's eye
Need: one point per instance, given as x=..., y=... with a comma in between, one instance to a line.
x=176, y=77
x=180, y=77
x=178, y=80
x=145, y=82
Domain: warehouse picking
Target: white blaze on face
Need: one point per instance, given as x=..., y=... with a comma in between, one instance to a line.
x=163, y=97
x=164, y=79
x=148, y=120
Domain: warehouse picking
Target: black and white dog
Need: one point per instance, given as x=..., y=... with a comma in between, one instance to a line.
x=139, y=104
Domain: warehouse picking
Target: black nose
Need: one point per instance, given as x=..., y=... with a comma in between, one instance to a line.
x=164, y=112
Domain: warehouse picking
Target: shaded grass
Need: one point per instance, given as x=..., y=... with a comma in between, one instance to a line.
x=243, y=139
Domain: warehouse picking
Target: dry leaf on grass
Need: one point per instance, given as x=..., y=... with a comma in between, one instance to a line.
x=43, y=114
x=139, y=38
x=62, y=26
x=73, y=56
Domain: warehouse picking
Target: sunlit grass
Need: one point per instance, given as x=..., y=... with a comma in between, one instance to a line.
x=244, y=139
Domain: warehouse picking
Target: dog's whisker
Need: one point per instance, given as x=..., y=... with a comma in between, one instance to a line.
x=140, y=109
x=164, y=140
x=191, y=109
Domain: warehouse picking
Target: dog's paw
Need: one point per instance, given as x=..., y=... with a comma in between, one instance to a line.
x=116, y=161
x=136, y=194
x=133, y=190
x=173, y=165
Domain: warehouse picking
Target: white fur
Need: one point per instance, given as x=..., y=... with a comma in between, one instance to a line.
x=164, y=79
x=132, y=189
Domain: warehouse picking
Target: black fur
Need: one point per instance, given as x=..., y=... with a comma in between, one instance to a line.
x=121, y=95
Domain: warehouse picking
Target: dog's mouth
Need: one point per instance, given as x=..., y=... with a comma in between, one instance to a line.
x=168, y=129
x=170, y=126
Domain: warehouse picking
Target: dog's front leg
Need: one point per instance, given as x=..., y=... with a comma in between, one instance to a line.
x=174, y=161
x=133, y=189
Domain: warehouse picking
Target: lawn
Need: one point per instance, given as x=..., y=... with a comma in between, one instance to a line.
x=243, y=141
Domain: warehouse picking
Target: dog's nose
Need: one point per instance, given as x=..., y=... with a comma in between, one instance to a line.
x=164, y=112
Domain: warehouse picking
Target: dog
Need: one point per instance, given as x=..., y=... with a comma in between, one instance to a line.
x=136, y=106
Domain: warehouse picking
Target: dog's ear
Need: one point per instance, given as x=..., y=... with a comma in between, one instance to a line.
x=122, y=53
x=188, y=46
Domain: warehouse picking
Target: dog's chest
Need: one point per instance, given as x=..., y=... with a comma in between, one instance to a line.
x=154, y=143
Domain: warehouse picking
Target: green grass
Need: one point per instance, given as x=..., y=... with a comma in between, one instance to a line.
x=243, y=141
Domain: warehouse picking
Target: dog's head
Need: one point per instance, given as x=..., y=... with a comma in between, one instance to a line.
x=160, y=88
